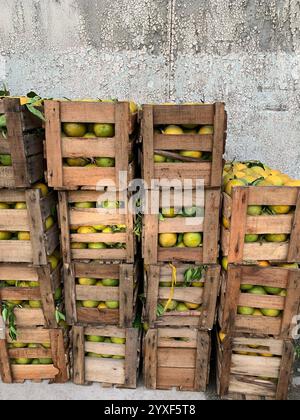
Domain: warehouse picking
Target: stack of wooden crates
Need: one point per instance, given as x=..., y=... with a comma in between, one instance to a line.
x=97, y=235
x=181, y=283
x=255, y=351
x=33, y=346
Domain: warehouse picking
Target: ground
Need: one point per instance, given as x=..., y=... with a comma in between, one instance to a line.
x=30, y=391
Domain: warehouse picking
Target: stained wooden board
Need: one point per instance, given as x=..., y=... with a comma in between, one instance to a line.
x=102, y=254
x=183, y=142
x=107, y=371
x=30, y=372
x=88, y=148
x=102, y=113
x=183, y=114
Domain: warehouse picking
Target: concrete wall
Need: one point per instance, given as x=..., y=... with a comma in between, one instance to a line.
x=244, y=52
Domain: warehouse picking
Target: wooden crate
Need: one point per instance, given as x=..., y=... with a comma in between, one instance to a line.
x=232, y=297
x=235, y=210
x=119, y=147
x=71, y=217
x=24, y=142
x=177, y=358
x=252, y=376
x=206, y=296
x=121, y=372
x=56, y=372
x=208, y=253
x=126, y=294
x=42, y=242
x=49, y=281
x=188, y=168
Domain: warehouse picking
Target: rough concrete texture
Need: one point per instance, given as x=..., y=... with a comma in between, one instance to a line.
x=243, y=52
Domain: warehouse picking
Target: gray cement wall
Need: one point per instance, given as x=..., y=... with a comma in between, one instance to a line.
x=244, y=52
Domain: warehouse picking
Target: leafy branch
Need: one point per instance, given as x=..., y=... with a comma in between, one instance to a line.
x=8, y=316
x=194, y=274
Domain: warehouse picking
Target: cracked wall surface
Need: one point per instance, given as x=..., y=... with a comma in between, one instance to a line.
x=243, y=52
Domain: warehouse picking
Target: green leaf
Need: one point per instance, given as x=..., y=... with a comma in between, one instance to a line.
x=160, y=310
x=32, y=94
x=3, y=121
x=4, y=314
x=4, y=91
x=36, y=112
x=161, y=218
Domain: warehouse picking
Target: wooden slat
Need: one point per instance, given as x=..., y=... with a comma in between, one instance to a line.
x=272, y=196
x=106, y=331
x=261, y=301
x=12, y=251
x=48, y=302
x=92, y=217
x=152, y=284
x=85, y=112
x=202, y=365
x=14, y=220
x=286, y=370
x=183, y=114
x=266, y=251
x=30, y=353
x=7, y=177
x=294, y=249
x=180, y=254
x=218, y=145
x=168, y=378
x=5, y=368
x=260, y=388
x=238, y=228
x=31, y=372
x=98, y=316
x=176, y=358
x=70, y=294
x=126, y=295
x=97, y=271
x=97, y=293
x=148, y=144
x=58, y=355
x=89, y=177
x=150, y=359
x=88, y=148
x=31, y=335
x=187, y=142
x=15, y=138
x=232, y=296
x=182, y=171
x=12, y=196
x=258, y=325
x=255, y=366
x=99, y=237
x=189, y=294
x=210, y=296
x=37, y=228
x=16, y=293
x=211, y=226
x=53, y=144
x=131, y=357
x=102, y=254
x=180, y=225
x=29, y=318
x=64, y=226
x=18, y=272
x=291, y=306
x=150, y=240
x=269, y=224
x=105, y=348
x=78, y=355
x=105, y=371
x=122, y=116
x=33, y=144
